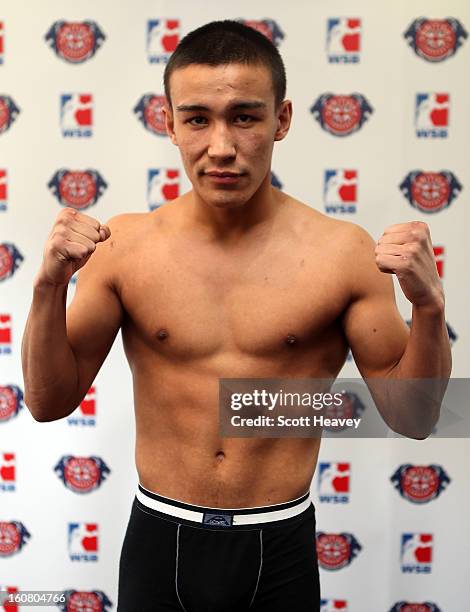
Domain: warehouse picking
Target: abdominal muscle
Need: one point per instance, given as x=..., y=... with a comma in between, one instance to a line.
x=180, y=454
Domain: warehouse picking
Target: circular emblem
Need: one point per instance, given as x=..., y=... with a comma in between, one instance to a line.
x=4, y=115
x=333, y=551
x=430, y=192
x=420, y=483
x=75, y=42
x=7, y=403
x=153, y=115
x=10, y=539
x=436, y=39
x=6, y=261
x=81, y=474
x=81, y=601
x=77, y=189
x=261, y=27
x=346, y=410
x=341, y=114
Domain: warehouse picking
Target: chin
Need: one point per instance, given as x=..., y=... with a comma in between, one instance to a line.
x=229, y=204
x=226, y=200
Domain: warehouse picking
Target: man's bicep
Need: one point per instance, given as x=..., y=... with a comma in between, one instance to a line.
x=93, y=317
x=375, y=330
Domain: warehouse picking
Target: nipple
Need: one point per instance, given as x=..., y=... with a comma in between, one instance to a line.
x=162, y=334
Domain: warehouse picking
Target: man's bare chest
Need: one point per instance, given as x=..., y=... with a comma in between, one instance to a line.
x=194, y=305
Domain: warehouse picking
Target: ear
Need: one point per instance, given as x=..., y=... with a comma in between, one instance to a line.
x=284, y=117
x=169, y=123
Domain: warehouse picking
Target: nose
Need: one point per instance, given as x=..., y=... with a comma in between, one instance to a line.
x=221, y=144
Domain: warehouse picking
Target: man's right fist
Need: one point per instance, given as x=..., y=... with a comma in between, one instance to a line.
x=70, y=244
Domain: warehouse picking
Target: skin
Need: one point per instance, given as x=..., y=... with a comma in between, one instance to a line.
x=230, y=280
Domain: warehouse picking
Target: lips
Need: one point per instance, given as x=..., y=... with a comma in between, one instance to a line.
x=223, y=174
x=217, y=177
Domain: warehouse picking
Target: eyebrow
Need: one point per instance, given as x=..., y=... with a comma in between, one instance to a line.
x=235, y=106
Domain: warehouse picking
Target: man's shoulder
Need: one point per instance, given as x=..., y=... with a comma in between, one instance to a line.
x=124, y=222
x=318, y=224
x=126, y=228
x=131, y=221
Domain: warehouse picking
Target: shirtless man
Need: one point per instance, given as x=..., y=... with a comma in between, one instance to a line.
x=234, y=279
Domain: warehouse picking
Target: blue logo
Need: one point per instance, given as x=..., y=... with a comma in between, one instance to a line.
x=340, y=191
x=76, y=115
x=163, y=36
x=163, y=185
x=343, y=40
x=333, y=482
x=83, y=541
x=416, y=553
x=432, y=115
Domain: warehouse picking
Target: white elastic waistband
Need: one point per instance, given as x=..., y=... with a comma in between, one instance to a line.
x=220, y=516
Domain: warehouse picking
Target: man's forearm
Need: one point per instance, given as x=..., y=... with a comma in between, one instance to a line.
x=416, y=385
x=427, y=353
x=49, y=366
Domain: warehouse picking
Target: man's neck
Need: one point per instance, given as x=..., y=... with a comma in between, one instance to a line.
x=229, y=224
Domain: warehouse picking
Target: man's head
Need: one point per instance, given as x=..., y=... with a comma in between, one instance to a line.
x=225, y=85
x=228, y=42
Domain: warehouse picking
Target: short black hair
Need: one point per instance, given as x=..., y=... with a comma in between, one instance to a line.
x=226, y=42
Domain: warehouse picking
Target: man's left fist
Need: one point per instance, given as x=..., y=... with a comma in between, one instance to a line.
x=406, y=250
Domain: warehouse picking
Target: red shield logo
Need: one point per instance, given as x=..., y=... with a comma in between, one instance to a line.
x=75, y=41
x=154, y=118
x=436, y=39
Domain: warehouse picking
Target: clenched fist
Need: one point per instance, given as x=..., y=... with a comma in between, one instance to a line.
x=70, y=244
x=406, y=250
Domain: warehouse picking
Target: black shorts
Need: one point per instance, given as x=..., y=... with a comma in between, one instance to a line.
x=186, y=558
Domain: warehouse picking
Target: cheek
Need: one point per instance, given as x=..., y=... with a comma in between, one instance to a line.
x=258, y=145
x=190, y=148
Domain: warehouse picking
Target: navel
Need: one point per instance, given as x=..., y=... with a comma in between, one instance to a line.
x=290, y=339
x=220, y=455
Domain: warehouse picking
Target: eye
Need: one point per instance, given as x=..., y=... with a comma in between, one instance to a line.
x=199, y=120
x=245, y=118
